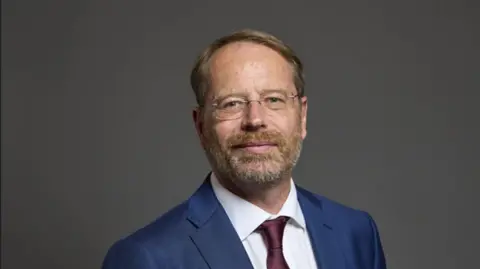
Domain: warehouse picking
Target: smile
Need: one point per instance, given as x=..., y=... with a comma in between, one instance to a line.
x=257, y=147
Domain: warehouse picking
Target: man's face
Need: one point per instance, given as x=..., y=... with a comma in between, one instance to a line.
x=261, y=146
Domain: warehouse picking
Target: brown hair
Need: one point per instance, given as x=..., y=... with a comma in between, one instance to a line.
x=199, y=77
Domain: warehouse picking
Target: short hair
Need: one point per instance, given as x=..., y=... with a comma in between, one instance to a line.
x=199, y=77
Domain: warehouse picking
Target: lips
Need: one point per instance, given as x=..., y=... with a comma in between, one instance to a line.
x=255, y=145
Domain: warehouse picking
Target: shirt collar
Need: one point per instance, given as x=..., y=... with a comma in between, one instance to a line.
x=246, y=217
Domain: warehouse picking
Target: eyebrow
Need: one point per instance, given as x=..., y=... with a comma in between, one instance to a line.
x=243, y=94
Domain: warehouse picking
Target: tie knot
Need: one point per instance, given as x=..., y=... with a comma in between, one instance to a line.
x=272, y=232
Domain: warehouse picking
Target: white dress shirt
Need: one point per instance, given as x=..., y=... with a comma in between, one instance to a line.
x=246, y=217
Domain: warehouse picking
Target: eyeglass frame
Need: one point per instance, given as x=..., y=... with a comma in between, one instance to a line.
x=246, y=102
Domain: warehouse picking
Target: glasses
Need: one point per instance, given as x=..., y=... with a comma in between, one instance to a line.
x=234, y=107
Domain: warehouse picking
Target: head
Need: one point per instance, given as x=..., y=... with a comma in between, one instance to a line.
x=251, y=114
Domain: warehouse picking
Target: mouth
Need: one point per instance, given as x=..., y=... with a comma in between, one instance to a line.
x=256, y=147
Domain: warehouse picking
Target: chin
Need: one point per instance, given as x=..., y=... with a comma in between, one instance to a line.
x=257, y=178
x=258, y=162
x=259, y=169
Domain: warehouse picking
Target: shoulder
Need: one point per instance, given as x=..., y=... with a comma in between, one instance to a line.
x=356, y=230
x=352, y=222
x=335, y=211
x=166, y=227
x=153, y=243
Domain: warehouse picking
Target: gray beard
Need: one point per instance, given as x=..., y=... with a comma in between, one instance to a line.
x=253, y=171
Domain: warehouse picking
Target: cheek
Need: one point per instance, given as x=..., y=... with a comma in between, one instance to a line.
x=223, y=131
x=290, y=127
x=284, y=123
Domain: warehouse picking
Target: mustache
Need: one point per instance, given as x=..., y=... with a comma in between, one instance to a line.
x=270, y=137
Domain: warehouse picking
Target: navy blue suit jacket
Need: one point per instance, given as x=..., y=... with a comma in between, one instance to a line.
x=197, y=234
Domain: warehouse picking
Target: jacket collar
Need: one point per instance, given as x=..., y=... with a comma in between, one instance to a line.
x=221, y=247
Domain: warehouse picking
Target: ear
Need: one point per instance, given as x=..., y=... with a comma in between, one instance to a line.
x=304, y=109
x=197, y=116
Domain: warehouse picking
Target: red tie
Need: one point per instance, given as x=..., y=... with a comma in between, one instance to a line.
x=272, y=233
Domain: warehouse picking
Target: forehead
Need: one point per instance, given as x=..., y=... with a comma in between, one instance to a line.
x=249, y=67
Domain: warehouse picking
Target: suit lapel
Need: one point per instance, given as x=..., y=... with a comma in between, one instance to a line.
x=215, y=236
x=325, y=243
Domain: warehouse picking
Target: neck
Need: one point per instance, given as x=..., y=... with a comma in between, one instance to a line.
x=269, y=197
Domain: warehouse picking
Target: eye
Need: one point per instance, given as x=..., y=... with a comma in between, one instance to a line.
x=230, y=104
x=273, y=99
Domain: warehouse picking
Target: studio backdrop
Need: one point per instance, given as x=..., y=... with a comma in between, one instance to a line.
x=98, y=139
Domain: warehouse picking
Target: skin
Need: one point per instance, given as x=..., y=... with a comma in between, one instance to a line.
x=258, y=174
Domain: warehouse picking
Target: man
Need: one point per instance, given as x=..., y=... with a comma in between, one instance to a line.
x=248, y=213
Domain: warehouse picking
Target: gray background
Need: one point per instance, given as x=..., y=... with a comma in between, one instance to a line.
x=97, y=137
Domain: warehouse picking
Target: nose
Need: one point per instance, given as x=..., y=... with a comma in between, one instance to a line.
x=253, y=118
